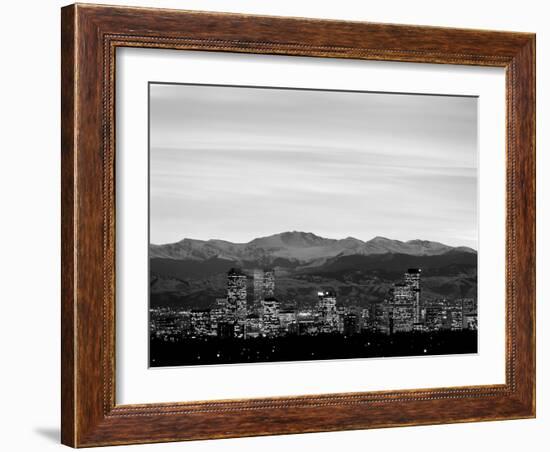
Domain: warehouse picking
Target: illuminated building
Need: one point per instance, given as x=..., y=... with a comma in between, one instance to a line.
x=236, y=300
x=402, y=308
x=258, y=286
x=286, y=318
x=236, y=294
x=452, y=316
x=366, y=319
x=253, y=325
x=326, y=308
x=434, y=315
x=412, y=280
x=269, y=284
x=469, y=314
x=218, y=314
x=270, y=317
x=200, y=322
x=469, y=321
x=381, y=317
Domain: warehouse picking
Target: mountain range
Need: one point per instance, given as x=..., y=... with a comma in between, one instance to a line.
x=295, y=246
x=192, y=273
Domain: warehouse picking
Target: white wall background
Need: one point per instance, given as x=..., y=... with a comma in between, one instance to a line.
x=30, y=263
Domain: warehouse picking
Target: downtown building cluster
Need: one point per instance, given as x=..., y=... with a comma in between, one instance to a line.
x=233, y=316
x=404, y=310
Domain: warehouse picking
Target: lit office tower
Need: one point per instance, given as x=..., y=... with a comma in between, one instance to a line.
x=412, y=280
x=328, y=314
x=402, y=308
x=270, y=317
x=258, y=281
x=200, y=322
x=269, y=284
x=218, y=315
x=236, y=295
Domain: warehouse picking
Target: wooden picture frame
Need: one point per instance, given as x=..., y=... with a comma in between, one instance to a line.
x=90, y=35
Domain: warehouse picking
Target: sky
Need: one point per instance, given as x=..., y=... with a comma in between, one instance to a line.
x=236, y=163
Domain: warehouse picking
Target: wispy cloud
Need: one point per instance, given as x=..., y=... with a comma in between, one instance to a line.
x=237, y=163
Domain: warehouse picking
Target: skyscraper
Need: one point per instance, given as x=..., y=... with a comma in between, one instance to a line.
x=381, y=317
x=412, y=280
x=327, y=311
x=200, y=322
x=402, y=308
x=258, y=283
x=270, y=316
x=236, y=294
x=269, y=283
x=218, y=314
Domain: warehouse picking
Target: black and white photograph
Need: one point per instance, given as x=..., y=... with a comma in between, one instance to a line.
x=292, y=224
x=275, y=226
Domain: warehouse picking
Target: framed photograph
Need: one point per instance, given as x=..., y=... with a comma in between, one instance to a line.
x=281, y=225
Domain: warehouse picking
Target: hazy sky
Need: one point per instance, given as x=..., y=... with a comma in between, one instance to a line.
x=239, y=163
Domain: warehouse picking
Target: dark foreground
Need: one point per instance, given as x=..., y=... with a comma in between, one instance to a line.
x=304, y=348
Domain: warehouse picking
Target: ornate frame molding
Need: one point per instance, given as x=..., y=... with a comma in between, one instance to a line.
x=90, y=37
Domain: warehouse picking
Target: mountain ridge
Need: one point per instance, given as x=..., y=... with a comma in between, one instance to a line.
x=295, y=246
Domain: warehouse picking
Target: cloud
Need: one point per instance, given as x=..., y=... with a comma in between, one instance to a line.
x=237, y=163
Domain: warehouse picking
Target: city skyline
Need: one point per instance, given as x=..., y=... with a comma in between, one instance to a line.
x=403, y=307
x=235, y=329
x=338, y=163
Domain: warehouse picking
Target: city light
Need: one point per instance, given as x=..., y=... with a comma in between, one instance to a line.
x=403, y=310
